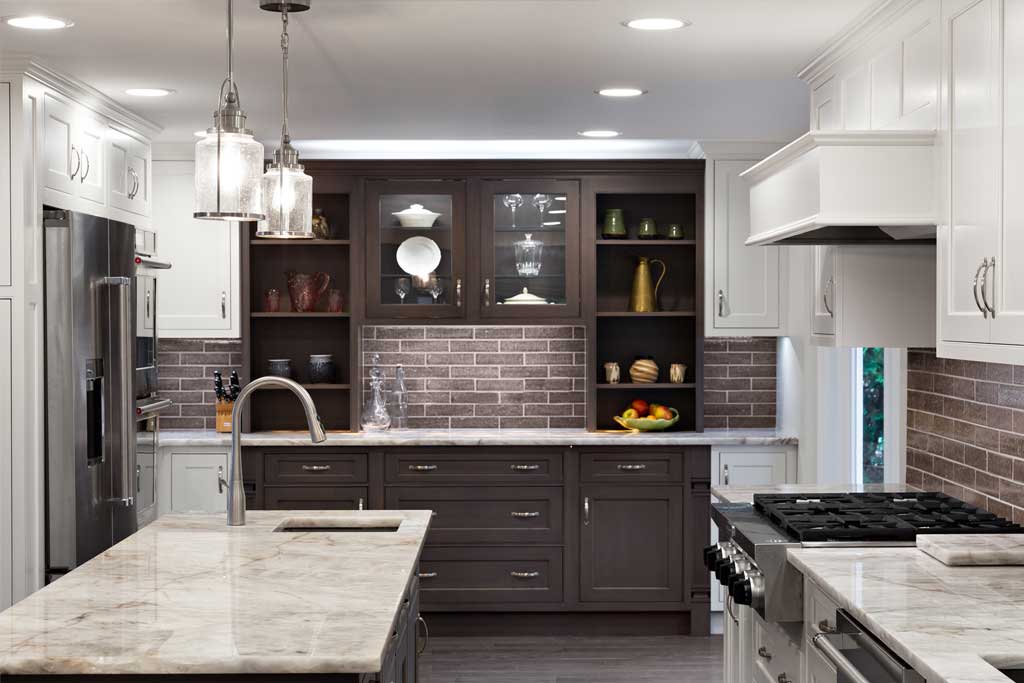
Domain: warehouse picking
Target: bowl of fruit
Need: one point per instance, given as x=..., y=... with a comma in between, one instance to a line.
x=642, y=416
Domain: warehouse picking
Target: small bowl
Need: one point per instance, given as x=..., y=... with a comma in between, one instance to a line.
x=642, y=424
x=416, y=217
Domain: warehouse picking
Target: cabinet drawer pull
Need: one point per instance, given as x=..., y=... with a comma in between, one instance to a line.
x=978, y=281
x=487, y=292
x=224, y=305
x=362, y=504
x=523, y=575
x=420, y=621
x=88, y=167
x=458, y=292
x=721, y=304
x=783, y=678
x=525, y=515
x=829, y=286
x=984, y=287
x=316, y=468
x=78, y=163
x=524, y=468
x=764, y=654
x=586, y=510
x=422, y=468
x=633, y=468
x=826, y=627
x=426, y=575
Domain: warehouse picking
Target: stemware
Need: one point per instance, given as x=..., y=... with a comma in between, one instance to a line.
x=435, y=287
x=402, y=288
x=513, y=202
x=541, y=202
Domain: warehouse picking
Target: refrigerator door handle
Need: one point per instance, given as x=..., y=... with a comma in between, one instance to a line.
x=124, y=401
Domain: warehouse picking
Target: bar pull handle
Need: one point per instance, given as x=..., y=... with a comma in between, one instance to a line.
x=362, y=504
x=487, y=292
x=422, y=468
x=85, y=173
x=824, y=297
x=420, y=621
x=725, y=474
x=637, y=467
x=979, y=281
x=831, y=653
x=984, y=287
x=316, y=468
x=78, y=162
x=525, y=468
x=586, y=510
x=458, y=292
x=125, y=403
x=426, y=575
x=222, y=483
x=721, y=304
x=149, y=298
x=525, y=515
x=524, y=575
x=223, y=305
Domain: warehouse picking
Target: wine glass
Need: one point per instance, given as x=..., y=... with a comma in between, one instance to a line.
x=541, y=202
x=513, y=201
x=435, y=288
x=402, y=288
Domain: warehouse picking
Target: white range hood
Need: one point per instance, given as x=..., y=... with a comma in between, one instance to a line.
x=862, y=187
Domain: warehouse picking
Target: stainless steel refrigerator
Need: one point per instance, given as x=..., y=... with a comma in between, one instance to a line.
x=100, y=402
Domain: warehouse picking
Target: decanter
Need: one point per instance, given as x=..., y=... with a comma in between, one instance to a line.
x=398, y=401
x=375, y=415
x=528, y=256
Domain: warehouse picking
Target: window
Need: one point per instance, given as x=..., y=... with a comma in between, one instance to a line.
x=878, y=414
x=873, y=415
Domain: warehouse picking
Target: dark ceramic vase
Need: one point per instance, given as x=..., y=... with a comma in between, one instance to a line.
x=321, y=369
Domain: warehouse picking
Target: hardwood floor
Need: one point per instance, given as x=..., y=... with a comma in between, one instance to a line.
x=648, y=659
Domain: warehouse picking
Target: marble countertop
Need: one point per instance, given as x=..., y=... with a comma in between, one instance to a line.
x=190, y=595
x=745, y=494
x=952, y=624
x=485, y=437
x=974, y=549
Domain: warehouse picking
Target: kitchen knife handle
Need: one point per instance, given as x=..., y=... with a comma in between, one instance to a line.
x=125, y=402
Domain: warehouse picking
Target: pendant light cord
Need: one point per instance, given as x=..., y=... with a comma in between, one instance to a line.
x=231, y=48
x=285, y=137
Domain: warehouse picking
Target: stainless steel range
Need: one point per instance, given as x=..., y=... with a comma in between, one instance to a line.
x=750, y=561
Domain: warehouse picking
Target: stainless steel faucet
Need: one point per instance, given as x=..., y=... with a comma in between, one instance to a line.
x=236, y=492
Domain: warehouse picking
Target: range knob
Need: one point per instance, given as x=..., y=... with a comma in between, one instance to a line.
x=724, y=567
x=748, y=590
x=712, y=554
x=739, y=574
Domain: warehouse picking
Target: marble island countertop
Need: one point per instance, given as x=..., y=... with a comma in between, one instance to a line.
x=189, y=595
x=486, y=437
x=952, y=624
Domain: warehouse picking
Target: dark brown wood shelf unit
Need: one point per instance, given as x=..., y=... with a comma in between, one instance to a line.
x=650, y=314
x=293, y=314
x=645, y=243
x=267, y=242
x=638, y=386
x=320, y=387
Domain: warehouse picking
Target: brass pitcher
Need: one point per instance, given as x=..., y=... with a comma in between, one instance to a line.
x=644, y=296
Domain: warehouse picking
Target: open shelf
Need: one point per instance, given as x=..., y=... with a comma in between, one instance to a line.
x=634, y=386
x=293, y=314
x=318, y=387
x=266, y=242
x=652, y=314
x=644, y=243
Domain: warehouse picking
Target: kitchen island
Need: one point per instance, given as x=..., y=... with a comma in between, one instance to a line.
x=310, y=596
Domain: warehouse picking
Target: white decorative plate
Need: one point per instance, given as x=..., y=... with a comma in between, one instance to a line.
x=418, y=255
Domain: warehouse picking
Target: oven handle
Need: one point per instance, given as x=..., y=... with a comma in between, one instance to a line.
x=836, y=658
x=145, y=409
x=151, y=263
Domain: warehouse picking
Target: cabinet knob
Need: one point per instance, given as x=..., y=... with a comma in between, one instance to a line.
x=763, y=653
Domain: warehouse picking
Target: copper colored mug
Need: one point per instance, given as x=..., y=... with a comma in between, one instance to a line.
x=305, y=290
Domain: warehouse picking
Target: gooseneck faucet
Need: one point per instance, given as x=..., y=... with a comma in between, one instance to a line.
x=236, y=492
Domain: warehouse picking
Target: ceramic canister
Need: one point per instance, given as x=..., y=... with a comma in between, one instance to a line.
x=321, y=369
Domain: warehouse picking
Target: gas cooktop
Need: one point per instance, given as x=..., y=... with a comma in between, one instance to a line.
x=875, y=517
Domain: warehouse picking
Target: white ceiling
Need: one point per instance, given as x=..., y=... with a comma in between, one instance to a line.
x=452, y=69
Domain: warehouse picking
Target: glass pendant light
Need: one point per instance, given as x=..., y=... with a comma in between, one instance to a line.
x=228, y=160
x=287, y=190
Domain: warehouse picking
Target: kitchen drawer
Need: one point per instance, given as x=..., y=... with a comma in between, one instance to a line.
x=634, y=466
x=819, y=610
x=422, y=465
x=315, y=467
x=776, y=658
x=485, y=514
x=453, y=576
x=315, y=498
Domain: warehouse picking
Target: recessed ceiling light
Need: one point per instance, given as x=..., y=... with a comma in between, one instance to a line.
x=148, y=92
x=620, y=92
x=656, y=24
x=38, y=22
x=600, y=133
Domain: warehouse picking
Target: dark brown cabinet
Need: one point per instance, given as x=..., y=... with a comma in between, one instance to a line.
x=315, y=498
x=631, y=543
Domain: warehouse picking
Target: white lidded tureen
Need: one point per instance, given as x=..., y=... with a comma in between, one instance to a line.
x=416, y=217
x=525, y=298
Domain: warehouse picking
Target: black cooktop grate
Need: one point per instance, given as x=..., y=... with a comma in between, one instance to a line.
x=876, y=516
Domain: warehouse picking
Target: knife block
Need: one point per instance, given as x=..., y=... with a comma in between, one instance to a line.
x=224, y=409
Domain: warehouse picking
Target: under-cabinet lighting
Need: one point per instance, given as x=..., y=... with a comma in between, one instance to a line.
x=600, y=133
x=37, y=22
x=656, y=24
x=620, y=92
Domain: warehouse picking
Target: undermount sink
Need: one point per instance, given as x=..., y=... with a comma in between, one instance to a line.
x=335, y=526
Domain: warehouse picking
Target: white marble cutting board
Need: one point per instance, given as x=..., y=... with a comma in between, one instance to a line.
x=974, y=549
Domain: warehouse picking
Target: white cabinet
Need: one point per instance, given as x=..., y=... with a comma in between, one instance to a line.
x=743, y=287
x=92, y=177
x=130, y=173
x=6, y=450
x=60, y=167
x=819, y=612
x=980, y=239
x=888, y=78
x=6, y=212
x=193, y=485
x=199, y=295
x=74, y=148
x=874, y=296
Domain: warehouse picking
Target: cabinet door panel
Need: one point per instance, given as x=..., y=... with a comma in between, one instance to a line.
x=58, y=138
x=825, y=111
x=750, y=468
x=885, y=88
x=530, y=246
x=5, y=186
x=746, y=278
x=1007, y=291
x=194, y=482
x=631, y=544
x=139, y=176
x=199, y=293
x=974, y=147
x=857, y=99
x=315, y=498
x=118, y=153
x=919, y=89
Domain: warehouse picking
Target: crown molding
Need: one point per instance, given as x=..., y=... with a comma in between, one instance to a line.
x=83, y=93
x=854, y=35
x=736, y=149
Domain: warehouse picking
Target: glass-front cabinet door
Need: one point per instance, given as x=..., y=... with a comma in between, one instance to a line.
x=530, y=256
x=415, y=258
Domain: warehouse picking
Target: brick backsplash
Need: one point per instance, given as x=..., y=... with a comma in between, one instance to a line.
x=476, y=376
x=186, y=377
x=739, y=382
x=965, y=431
